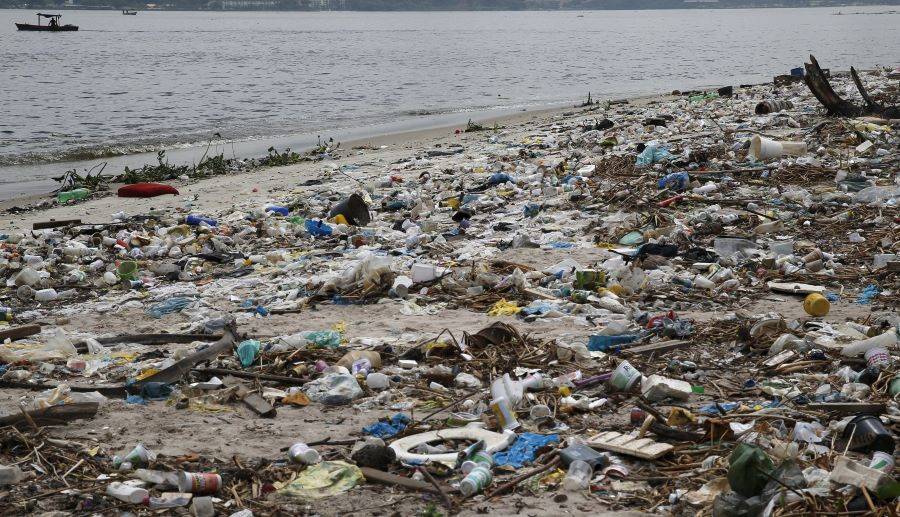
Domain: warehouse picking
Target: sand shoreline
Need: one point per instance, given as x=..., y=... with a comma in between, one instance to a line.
x=403, y=139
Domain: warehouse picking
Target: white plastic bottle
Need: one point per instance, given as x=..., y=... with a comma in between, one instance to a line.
x=887, y=340
x=476, y=481
x=302, y=453
x=128, y=493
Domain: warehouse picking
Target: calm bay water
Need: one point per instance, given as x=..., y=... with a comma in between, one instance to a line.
x=136, y=83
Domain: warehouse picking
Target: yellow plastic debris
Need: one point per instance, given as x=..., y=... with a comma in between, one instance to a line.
x=504, y=308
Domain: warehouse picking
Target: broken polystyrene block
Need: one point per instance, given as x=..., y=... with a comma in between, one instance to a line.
x=849, y=472
x=630, y=445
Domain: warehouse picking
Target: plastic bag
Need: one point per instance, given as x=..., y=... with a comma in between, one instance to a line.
x=325, y=479
x=748, y=465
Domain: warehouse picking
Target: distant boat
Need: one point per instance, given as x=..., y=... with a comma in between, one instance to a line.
x=128, y=12
x=52, y=26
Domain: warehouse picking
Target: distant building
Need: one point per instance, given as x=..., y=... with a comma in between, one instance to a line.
x=248, y=4
x=328, y=5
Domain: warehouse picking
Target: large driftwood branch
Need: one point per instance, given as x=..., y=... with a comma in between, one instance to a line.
x=836, y=105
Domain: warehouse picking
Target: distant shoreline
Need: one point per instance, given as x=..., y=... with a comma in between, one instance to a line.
x=684, y=5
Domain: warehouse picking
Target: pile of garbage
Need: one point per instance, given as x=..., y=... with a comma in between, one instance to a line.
x=691, y=306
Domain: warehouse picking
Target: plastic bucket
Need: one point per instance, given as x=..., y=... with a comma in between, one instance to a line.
x=354, y=210
x=878, y=356
x=867, y=433
x=882, y=461
x=624, y=377
x=816, y=305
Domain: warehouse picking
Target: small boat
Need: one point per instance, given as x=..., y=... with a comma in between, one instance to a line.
x=52, y=26
x=129, y=12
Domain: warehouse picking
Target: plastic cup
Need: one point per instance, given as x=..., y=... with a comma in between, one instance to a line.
x=624, y=377
x=764, y=148
x=867, y=433
x=878, y=356
x=200, y=483
x=882, y=461
x=539, y=412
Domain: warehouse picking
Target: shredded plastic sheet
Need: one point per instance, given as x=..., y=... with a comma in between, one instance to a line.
x=867, y=295
x=522, y=451
x=325, y=479
x=387, y=429
x=504, y=308
x=653, y=153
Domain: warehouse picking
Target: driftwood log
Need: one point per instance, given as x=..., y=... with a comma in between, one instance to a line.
x=835, y=104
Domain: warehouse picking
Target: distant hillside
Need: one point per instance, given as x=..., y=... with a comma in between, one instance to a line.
x=428, y=5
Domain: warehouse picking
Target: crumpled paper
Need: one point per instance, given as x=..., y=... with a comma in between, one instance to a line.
x=325, y=479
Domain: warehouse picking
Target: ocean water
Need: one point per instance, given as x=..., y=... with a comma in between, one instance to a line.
x=130, y=84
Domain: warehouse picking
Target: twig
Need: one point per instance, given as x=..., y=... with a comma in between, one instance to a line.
x=447, y=501
x=452, y=404
x=75, y=466
x=515, y=481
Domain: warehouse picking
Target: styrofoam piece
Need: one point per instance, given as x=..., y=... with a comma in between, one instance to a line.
x=626, y=444
x=657, y=387
x=849, y=472
x=493, y=442
x=795, y=288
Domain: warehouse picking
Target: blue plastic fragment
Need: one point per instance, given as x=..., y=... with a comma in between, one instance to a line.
x=522, y=451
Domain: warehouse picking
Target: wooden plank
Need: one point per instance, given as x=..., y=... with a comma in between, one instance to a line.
x=386, y=478
x=15, y=333
x=849, y=408
x=251, y=399
x=53, y=223
x=662, y=346
x=293, y=381
x=53, y=415
x=178, y=370
x=118, y=392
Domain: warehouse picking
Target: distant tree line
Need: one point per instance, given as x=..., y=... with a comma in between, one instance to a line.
x=449, y=5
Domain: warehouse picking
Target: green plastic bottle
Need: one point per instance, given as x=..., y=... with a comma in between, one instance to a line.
x=75, y=194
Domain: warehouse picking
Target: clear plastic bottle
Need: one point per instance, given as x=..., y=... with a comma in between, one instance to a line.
x=169, y=500
x=128, y=493
x=476, y=481
x=10, y=475
x=75, y=194
x=579, y=476
x=302, y=453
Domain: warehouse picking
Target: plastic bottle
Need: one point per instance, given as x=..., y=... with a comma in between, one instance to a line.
x=476, y=481
x=46, y=295
x=303, y=454
x=169, y=500
x=203, y=507
x=196, y=220
x=6, y=314
x=27, y=276
x=480, y=458
x=578, y=477
x=128, y=493
x=10, y=475
x=378, y=381
x=75, y=194
x=887, y=340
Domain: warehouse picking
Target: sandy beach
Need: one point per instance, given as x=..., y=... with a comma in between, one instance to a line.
x=567, y=228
